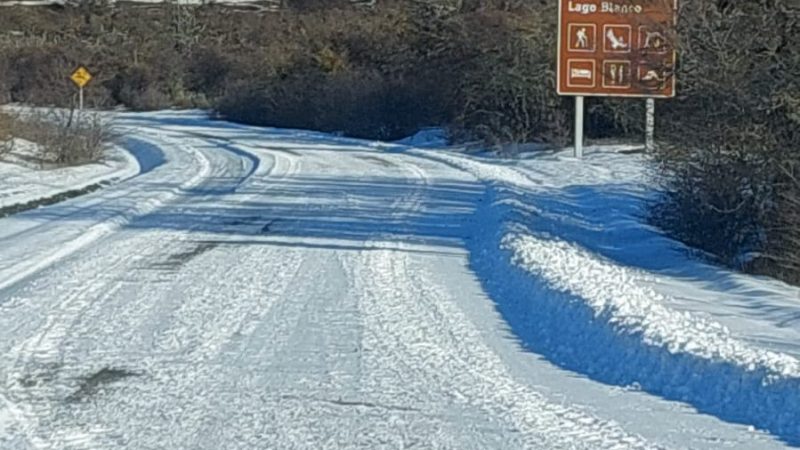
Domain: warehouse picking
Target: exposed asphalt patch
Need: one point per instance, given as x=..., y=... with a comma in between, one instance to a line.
x=176, y=260
x=94, y=383
x=381, y=161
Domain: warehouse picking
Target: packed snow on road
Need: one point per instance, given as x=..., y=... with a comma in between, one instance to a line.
x=234, y=287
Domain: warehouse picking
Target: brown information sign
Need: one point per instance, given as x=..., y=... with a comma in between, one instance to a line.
x=617, y=48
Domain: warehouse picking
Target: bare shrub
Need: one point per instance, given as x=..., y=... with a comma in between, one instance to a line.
x=383, y=61
x=488, y=72
x=717, y=201
x=6, y=138
x=66, y=137
x=371, y=105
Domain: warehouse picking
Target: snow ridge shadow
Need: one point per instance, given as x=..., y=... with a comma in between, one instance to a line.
x=559, y=324
x=148, y=155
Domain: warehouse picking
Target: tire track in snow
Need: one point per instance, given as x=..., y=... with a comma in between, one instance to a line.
x=196, y=333
x=205, y=332
x=45, y=346
x=425, y=329
x=38, y=360
x=415, y=332
x=45, y=257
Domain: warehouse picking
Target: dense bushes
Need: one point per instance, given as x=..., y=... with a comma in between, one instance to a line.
x=35, y=75
x=358, y=103
x=383, y=74
x=483, y=68
x=506, y=90
x=730, y=153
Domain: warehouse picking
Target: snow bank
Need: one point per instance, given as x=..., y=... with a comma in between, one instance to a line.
x=620, y=296
x=600, y=315
x=426, y=138
x=21, y=183
x=675, y=354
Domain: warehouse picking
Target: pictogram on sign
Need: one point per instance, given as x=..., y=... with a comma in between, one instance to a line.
x=582, y=73
x=81, y=77
x=617, y=74
x=583, y=37
x=617, y=38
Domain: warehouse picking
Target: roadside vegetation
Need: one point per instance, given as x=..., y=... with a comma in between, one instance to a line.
x=483, y=69
x=6, y=139
x=378, y=72
x=730, y=157
x=60, y=137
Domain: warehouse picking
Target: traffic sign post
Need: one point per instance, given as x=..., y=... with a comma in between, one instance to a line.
x=578, y=126
x=650, y=126
x=81, y=77
x=620, y=48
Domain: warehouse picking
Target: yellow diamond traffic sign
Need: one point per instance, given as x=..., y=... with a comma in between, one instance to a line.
x=81, y=77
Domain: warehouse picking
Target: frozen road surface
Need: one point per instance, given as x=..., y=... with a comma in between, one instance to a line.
x=271, y=289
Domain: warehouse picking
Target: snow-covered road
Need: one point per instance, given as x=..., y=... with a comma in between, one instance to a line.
x=285, y=289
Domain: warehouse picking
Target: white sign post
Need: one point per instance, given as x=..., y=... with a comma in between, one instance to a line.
x=650, y=126
x=579, y=126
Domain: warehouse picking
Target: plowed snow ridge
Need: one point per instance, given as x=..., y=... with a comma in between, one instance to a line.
x=612, y=324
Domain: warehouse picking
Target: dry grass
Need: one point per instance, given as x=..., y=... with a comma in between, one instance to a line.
x=6, y=142
x=65, y=137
